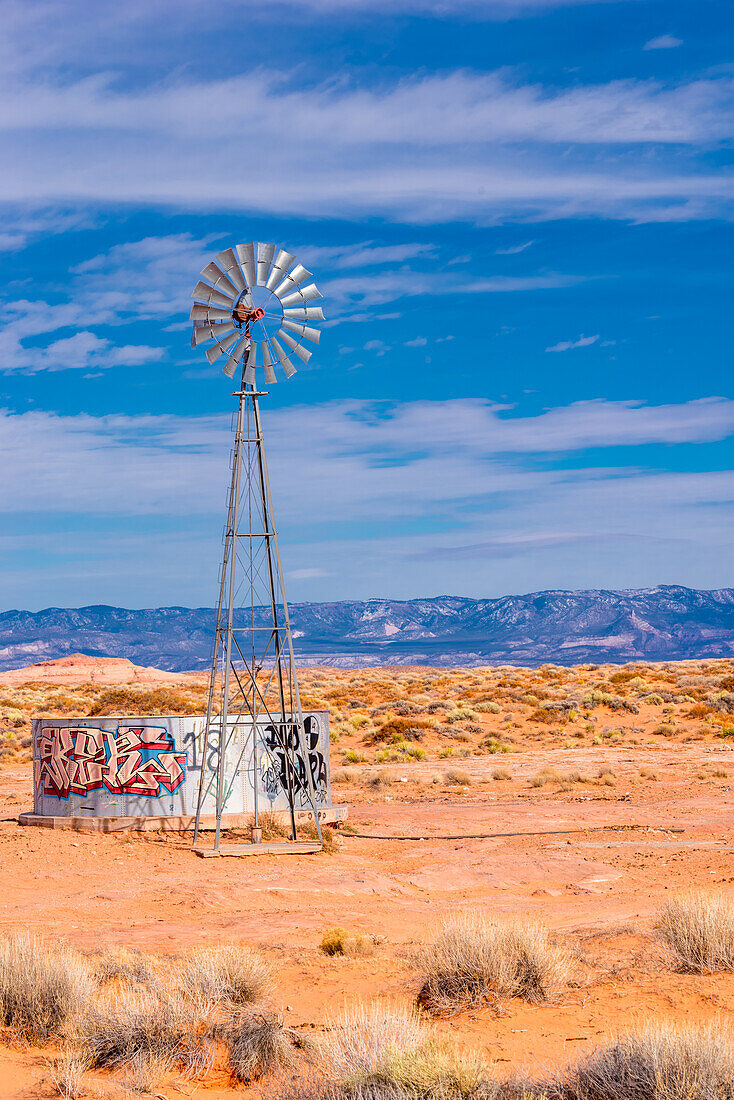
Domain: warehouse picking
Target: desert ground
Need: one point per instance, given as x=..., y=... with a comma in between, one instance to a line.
x=583, y=798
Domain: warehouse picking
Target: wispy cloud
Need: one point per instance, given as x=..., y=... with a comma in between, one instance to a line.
x=663, y=42
x=517, y=150
x=434, y=480
x=569, y=345
x=514, y=249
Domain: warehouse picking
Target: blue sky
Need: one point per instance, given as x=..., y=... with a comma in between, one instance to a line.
x=520, y=214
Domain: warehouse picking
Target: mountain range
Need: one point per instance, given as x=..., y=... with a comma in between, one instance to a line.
x=668, y=622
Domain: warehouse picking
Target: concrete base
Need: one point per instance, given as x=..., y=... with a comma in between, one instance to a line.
x=268, y=847
x=180, y=824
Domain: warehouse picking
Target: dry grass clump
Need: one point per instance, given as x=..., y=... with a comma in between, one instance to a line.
x=258, y=1043
x=474, y=959
x=338, y=941
x=664, y=1062
x=698, y=928
x=385, y=1050
x=147, y=1033
x=502, y=775
x=563, y=779
x=454, y=777
x=42, y=988
x=67, y=1072
x=229, y=974
x=122, y=964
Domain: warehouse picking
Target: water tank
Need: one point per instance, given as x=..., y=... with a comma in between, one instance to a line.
x=115, y=769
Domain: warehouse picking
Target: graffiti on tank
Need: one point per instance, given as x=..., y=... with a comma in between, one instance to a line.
x=128, y=760
x=275, y=777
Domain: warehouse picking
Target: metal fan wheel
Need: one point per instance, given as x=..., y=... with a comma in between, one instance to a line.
x=254, y=301
x=260, y=298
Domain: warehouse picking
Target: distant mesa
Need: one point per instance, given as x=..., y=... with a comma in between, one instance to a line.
x=80, y=667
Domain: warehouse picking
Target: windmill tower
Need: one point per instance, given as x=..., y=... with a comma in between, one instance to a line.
x=251, y=300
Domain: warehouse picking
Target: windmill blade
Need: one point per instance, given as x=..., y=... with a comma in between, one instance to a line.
x=283, y=359
x=207, y=313
x=268, y=366
x=251, y=364
x=219, y=279
x=303, y=331
x=281, y=264
x=212, y=332
x=302, y=353
x=292, y=279
x=231, y=268
x=246, y=256
x=303, y=294
x=234, y=359
x=213, y=354
x=206, y=294
x=264, y=260
x=305, y=313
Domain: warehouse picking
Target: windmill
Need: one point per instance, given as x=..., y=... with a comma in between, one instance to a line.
x=254, y=305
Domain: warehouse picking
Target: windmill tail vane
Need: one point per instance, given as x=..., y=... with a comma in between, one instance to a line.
x=253, y=305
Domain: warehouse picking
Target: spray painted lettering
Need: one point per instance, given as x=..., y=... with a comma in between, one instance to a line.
x=128, y=760
x=275, y=778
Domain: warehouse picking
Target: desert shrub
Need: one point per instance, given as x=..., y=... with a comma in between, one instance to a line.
x=501, y=774
x=548, y=716
x=698, y=928
x=391, y=1050
x=492, y=746
x=700, y=710
x=338, y=941
x=399, y=729
x=258, y=1043
x=461, y=714
x=649, y=773
x=229, y=974
x=666, y=1062
x=723, y=702
x=343, y=775
x=351, y=756
x=154, y=701
x=488, y=707
x=474, y=959
x=665, y=729
x=329, y=836
x=456, y=778
x=624, y=676
x=43, y=988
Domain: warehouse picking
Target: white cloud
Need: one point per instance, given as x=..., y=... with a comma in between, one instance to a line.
x=516, y=150
x=418, y=342
x=437, y=451
x=569, y=345
x=514, y=249
x=425, y=482
x=663, y=42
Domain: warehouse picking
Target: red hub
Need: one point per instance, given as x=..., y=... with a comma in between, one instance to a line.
x=247, y=314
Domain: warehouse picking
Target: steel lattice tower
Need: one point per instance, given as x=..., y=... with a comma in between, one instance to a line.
x=253, y=297
x=253, y=674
